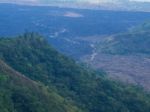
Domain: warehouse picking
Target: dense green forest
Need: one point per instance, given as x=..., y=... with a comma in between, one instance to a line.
x=53, y=82
x=20, y=94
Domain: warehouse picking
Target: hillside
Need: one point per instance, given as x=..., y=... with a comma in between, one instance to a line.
x=131, y=43
x=32, y=56
x=20, y=94
x=124, y=56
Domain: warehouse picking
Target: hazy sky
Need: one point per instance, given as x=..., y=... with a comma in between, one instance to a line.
x=94, y=0
x=90, y=1
x=141, y=0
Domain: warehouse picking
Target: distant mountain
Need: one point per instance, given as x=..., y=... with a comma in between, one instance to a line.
x=65, y=28
x=89, y=91
x=127, y=44
x=134, y=42
x=86, y=35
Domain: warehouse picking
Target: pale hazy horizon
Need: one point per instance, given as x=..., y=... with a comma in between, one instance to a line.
x=88, y=1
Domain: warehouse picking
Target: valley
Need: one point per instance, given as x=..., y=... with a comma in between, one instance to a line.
x=37, y=78
x=123, y=56
x=100, y=38
x=63, y=59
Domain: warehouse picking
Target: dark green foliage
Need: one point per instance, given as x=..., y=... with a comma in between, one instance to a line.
x=20, y=94
x=31, y=55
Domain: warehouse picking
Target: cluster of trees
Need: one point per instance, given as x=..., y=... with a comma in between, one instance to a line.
x=83, y=90
x=20, y=94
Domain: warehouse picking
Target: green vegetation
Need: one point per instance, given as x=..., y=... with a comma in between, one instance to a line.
x=20, y=94
x=134, y=42
x=142, y=27
x=63, y=83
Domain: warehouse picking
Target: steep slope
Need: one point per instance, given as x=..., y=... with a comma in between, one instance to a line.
x=20, y=94
x=88, y=90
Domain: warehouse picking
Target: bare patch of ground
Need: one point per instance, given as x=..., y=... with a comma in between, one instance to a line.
x=129, y=69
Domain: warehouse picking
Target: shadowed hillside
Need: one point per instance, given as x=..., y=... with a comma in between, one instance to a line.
x=32, y=56
x=20, y=94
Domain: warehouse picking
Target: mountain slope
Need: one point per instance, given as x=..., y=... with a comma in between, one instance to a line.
x=20, y=94
x=128, y=43
x=125, y=56
x=88, y=90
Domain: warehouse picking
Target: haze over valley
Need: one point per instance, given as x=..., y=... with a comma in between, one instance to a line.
x=74, y=56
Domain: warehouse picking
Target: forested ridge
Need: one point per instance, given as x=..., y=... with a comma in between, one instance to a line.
x=52, y=82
